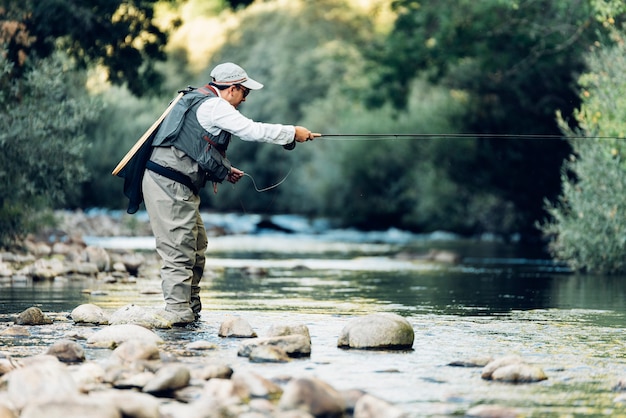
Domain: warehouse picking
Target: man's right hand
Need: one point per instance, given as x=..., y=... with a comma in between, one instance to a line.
x=303, y=134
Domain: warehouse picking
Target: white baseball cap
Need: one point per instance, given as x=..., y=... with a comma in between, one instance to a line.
x=228, y=74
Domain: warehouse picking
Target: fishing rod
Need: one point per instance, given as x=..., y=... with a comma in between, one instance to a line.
x=460, y=135
x=390, y=136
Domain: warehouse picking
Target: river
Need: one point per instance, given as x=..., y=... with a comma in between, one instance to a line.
x=499, y=300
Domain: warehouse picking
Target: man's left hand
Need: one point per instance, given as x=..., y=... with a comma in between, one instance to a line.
x=235, y=175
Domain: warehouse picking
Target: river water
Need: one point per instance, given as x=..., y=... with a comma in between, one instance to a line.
x=499, y=300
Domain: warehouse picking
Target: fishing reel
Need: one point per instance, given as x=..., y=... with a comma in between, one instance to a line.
x=290, y=145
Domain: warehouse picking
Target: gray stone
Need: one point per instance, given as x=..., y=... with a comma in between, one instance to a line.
x=212, y=371
x=67, y=351
x=283, y=330
x=42, y=379
x=168, y=378
x=491, y=411
x=89, y=313
x=497, y=363
x=369, y=406
x=472, y=362
x=236, y=327
x=33, y=316
x=512, y=369
x=114, y=335
x=519, y=373
x=377, y=331
x=255, y=386
x=268, y=354
x=146, y=317
x=313, y=396
x=6, y=412
x=136, y=350
x=15, y=331
x=44, y=269
x=201, y=345
x=71, y=408
x=293, y=345
x=98, y=256
x=130, y=403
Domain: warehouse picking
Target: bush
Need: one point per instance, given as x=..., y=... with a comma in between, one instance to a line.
x=588, y=225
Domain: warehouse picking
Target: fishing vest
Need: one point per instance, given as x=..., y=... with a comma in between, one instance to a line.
x=181, y=129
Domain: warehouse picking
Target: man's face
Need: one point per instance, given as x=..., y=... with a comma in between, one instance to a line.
x=238, y=95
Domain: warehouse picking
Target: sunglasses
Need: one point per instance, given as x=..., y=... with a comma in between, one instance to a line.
x=245, y=90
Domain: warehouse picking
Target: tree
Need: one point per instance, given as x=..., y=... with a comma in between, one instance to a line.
x=517, y=62
x=41, y=142
x=120, y=35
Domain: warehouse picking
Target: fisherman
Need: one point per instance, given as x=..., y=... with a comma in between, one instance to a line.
x=183, y=159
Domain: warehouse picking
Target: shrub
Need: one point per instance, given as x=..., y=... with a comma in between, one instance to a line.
x=588, y=225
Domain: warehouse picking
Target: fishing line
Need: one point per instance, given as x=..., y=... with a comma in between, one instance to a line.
x=268, y=187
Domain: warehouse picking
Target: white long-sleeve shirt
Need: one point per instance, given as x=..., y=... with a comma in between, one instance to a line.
x=216, y=114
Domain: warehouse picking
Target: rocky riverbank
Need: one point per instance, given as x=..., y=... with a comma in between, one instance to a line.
x=131, y=361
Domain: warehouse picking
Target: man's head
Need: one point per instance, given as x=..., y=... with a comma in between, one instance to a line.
x=229, y=74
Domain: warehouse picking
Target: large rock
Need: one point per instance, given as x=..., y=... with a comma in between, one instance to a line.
x=89, y=313
x=43, y=379
x=146, y=317
x=33, y=316
x=377, y=331
x=313, y=396
x=114, y=335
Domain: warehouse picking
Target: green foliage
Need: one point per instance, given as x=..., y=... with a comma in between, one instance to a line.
x=122, y=120
x=41, y=142
x=588, y=225
x=517, y=62
x=117, y=34
x=299, y=50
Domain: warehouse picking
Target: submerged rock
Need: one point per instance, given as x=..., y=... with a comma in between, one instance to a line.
x=283, y=330
x=377, y=331
x=114, y=335
x=293, y=345
x=512, y=369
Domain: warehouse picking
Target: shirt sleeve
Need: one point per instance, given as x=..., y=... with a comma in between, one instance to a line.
x=217, y=114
